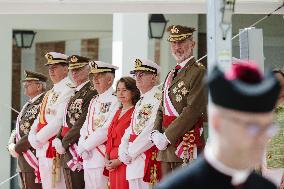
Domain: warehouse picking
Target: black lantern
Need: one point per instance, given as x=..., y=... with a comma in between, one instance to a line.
x=24, y=38
x=157, y=25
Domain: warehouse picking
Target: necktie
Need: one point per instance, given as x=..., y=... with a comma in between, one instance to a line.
x=177, y=68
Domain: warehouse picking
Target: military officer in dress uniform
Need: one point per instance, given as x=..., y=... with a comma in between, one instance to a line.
x=242, y=121
x=50, y=120
x=135, y=149
x=180, y=116
x=93, y=134
x=74, y=118
x=35, y=86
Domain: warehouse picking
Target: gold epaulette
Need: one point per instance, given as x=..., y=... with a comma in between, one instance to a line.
x=92, y=88
x=71, y=85
x=199, y=64
x=158, y=95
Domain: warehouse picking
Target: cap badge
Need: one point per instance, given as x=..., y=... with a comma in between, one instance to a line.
x=94, y=65
x=74, y=59
x=138, y=63
x=49, y=58
x=174, y=30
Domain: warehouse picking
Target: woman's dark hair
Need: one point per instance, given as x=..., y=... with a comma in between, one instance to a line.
x=130, y=84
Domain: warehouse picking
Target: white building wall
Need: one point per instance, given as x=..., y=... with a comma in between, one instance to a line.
x=105, y=49
x=6, y=90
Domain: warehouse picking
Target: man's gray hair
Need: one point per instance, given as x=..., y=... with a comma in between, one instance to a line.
x=43, y=84
x=111, y=75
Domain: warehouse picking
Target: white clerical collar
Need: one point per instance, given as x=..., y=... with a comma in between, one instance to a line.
x=183, y=63
x=78, y=88
x=238, y=176
x=35, y=98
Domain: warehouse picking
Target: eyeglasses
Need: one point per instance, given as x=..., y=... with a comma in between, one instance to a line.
x=256, y=129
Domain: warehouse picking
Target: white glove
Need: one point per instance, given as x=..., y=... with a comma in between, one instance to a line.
x=86, y=155
x=12, y=151
x=57, y=144
x=34, y=142
x=125, y=158
x=159, y=139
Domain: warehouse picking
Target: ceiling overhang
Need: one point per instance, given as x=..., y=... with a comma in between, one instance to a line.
x=130, y=6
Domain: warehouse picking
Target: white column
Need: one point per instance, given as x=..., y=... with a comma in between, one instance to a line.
x=130, y=41
x=219, y=43
x=5, y=101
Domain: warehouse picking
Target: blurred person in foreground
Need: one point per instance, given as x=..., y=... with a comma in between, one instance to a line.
x=242, y=121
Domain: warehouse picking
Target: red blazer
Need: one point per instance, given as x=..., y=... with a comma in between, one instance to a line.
x=116, y=131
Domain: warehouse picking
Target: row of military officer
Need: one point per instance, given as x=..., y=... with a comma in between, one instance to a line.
x=78, y=134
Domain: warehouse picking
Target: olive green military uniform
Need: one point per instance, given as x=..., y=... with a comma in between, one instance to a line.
x=188, y=96
x=74, y=118
x=76, y=114
x=26, y=119
x=27, y=161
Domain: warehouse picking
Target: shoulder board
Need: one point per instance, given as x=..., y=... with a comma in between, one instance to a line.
x=161, y=86
x=91, y=88
x=71, y=85
x=158, y=95
x=199, y=64
x=39, y=98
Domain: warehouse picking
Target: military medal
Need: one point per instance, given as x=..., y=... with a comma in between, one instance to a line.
x=143, y=116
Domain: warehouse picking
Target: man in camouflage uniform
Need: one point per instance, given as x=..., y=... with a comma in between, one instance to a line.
x=34, y=85
x=180, y=116
x=75, y=115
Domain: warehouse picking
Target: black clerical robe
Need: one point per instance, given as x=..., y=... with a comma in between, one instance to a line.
x=201, y=175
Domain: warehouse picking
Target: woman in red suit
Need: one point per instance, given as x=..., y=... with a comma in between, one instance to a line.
x=128, y=94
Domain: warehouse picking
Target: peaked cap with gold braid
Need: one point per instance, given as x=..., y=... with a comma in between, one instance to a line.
x=76, y=62
x=146, y=66
x=55, y=58
x=101, y=67
x=34, y=76
x=179, y=33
